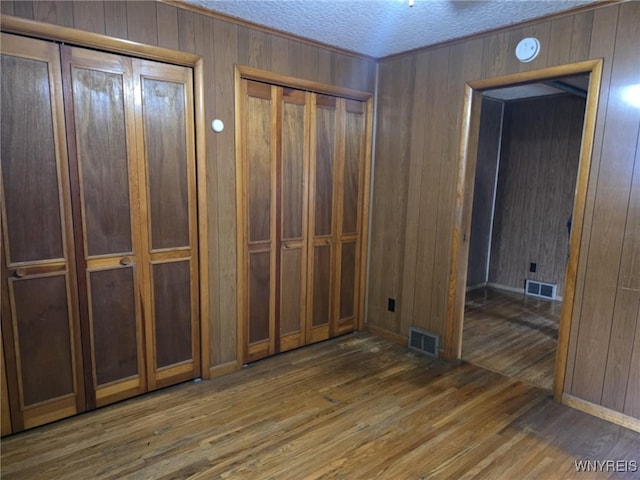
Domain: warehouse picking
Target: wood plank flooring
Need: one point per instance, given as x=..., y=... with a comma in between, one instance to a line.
x=512, y=334
x=355, y=407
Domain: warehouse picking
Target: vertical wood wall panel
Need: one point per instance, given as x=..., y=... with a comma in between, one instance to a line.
x=186, y=31
x=389, y=210
x=601, y=356
x=7, y=8
x=424, y=302
x=142, y=26
x=167, y=23
x=89, y=16
x=609, y=217
x=581, y=36
x=413, y=168
x=223, y=179
x=23, y=9
x=484, y=191
x=601, y=44
x=115, y=19
x=536, y=188
x=60, y=13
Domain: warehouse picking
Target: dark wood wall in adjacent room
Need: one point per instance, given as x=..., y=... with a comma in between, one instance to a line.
x=484, y=191
x=536, y=186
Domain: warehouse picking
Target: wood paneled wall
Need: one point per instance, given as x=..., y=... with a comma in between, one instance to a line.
x=418, y=135
x=536, y=187
x=484, y=191
x=221, y=44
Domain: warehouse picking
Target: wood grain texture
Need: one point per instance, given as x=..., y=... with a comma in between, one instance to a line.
x=484, y=191
x=60, y=13
x=608, y=224
x=592, y=36
x=392, y=159
x=398, y=415
x=39, y=293
x=512, y=334
x=89, y=16
x=605, y=32
x=5, y=425
x=602, y=43
x=535, y=192
x=156, y=24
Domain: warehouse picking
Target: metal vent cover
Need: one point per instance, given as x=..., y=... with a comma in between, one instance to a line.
x=540, y=289
x=424, y=342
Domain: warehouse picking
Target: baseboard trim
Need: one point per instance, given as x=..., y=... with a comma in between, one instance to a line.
x=224, y=369
x=604, y=413
x=478, y=286
x=507, y=288
x=391, y=336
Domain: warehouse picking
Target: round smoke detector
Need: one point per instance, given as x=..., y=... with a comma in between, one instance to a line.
x=527, y=49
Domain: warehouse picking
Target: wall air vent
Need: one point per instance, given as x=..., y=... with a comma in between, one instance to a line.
x=425, y=342
x=540, y=289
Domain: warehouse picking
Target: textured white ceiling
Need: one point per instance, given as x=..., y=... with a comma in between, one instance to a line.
x=385, y=27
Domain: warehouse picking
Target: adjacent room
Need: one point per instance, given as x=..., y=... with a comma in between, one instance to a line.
x=330, y=239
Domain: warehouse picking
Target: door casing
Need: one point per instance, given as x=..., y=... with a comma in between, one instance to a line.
x=467, y=154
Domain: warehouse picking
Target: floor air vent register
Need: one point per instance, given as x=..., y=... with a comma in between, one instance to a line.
x=540, y=289
x=424, y=342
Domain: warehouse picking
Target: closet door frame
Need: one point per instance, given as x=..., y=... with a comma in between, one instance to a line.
x=250, y=73
x=80, y=38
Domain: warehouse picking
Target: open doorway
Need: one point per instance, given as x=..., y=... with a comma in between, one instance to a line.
x=525, y=177
x=469, y=148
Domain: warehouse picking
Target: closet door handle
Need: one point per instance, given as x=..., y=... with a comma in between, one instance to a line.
x=125, y=261
x=20, y=272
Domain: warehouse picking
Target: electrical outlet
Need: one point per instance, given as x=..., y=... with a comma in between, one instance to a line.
x=391, y=305
x=532, y=267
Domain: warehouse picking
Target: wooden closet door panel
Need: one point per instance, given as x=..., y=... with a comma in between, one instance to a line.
x=259, y=146
x=353, y=166
x=166, y=153
x=324, y=148
x=171, y=300
x=101, y=122
x=293, y=190
x=348, y=287
x=40, y=324
x=41, y=328
x=115, y=331
x=351, y=175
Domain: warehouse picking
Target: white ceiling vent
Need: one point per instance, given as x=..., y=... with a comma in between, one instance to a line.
x=424, y=342
x=540, y=289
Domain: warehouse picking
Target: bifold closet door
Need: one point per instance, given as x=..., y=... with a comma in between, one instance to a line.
x=291, y=217
x=275, y=184
x=40, y=326
x=259, y=115
x=99, y=96
x=335, y=215
x=130, y=125
x=350, y=202
x=169, y=245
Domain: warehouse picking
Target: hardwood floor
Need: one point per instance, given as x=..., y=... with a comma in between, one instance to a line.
x=356, y=407
x=512, y=334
